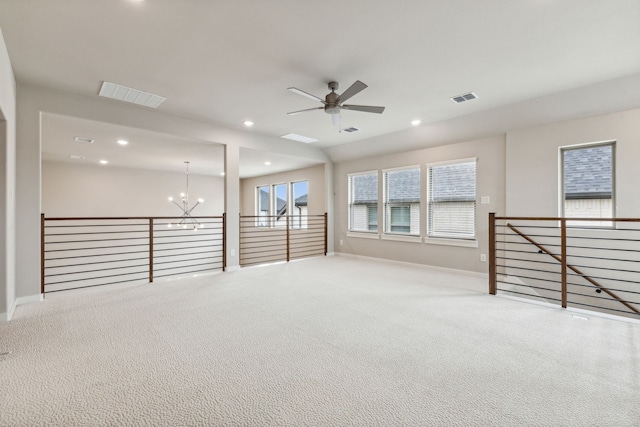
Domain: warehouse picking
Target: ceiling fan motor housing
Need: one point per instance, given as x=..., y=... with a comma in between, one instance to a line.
x=332, y=100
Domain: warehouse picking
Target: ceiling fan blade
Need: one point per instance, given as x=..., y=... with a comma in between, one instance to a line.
x=354, y=89
x=365, y=108
x=335, y=119
x=305, y=94
x=302, y=111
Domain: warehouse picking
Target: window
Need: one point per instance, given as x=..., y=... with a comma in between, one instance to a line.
x=451, y=199
x=363, y=201
x=402, y=201
x=262, y=204
x=279, y=205
x=300, y=194
x=587, y=183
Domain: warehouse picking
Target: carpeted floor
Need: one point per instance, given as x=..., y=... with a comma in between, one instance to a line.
x=321, y=342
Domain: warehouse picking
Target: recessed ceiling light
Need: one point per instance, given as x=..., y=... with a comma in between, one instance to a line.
x=299, y=138
x=104, y=162
x=267, y=163
x=222, y=174
x=415, y=122
x=83, y=139
x=248, y=123
x=123, y=142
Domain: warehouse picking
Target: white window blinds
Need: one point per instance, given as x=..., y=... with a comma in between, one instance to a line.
x=363, y=201
x=451, y=202
x=402, y=201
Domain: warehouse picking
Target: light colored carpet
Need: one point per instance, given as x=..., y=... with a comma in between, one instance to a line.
x=321, y=342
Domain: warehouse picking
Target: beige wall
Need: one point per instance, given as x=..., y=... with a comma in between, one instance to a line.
x=82, y=190
x=7, y=185
x=315, y=175
x=532, y=162
x=490, y=182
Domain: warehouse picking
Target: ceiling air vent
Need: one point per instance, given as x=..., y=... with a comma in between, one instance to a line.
x=83, y=139
x=299, y=138
x=75, y=157
x=351, y=129
x=464, y=97
x=127, y=94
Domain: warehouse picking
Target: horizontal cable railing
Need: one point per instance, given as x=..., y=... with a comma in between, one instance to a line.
x=587, y=263
x=267, y=239
x=85, y=252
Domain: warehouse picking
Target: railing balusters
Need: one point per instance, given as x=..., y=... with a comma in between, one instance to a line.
x=96, y=251
x=265, y=239
x=557, y=260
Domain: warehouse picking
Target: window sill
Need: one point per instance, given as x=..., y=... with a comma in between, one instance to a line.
x=400, y=238
x=363, y=235
x=451, y=242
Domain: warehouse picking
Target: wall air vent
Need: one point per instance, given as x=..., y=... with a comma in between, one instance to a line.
x=299, y=138
x=127, y=94
x=464, y=97
x=76, y=157
x=83, y=139
x=351, y=129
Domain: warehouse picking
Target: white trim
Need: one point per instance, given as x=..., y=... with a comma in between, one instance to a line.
x=232, y=268
x=29, y=299
x=363, y=235
x=422, y=266
x=569, y=309
x=363, y=173
x=401, y=168
x=604, y=315
x=453, y=162
x=401, y=238
x=451, y=242
x=6, y=317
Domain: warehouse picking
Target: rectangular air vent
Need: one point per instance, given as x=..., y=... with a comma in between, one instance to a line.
x=299, y=138
x=351, y=129
x=127, y=94
x=83, y=139
x=464, y=97
x=75, y=157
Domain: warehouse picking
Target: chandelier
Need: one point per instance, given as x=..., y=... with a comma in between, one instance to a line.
x=186, y=220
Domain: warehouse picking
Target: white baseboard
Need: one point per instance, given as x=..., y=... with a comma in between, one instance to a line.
x=411, y=264
x=29, y=299
x=233, y=268
x=6, y=317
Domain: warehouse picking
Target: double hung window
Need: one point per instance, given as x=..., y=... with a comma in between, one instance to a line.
x=588, y=183
x=402, y=201
x=363, y=201
x=451, y=199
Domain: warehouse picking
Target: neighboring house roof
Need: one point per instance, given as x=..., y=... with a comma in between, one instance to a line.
x=281, y=205
x=588, y=172
x=454, y=183
x=301, y=201
x=404, y=186
x=365, y=188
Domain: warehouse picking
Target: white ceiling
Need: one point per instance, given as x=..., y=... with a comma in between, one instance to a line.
x=228, y=61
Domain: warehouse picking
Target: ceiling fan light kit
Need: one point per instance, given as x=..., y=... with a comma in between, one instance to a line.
x=334, y=103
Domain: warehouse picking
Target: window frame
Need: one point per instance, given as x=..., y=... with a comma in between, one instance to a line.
x=562, y=188
x=441, y=237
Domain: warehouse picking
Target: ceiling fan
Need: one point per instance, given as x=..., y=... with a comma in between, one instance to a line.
x=333, y=102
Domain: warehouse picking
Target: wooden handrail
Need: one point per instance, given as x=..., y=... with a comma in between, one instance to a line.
x=572, y=268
